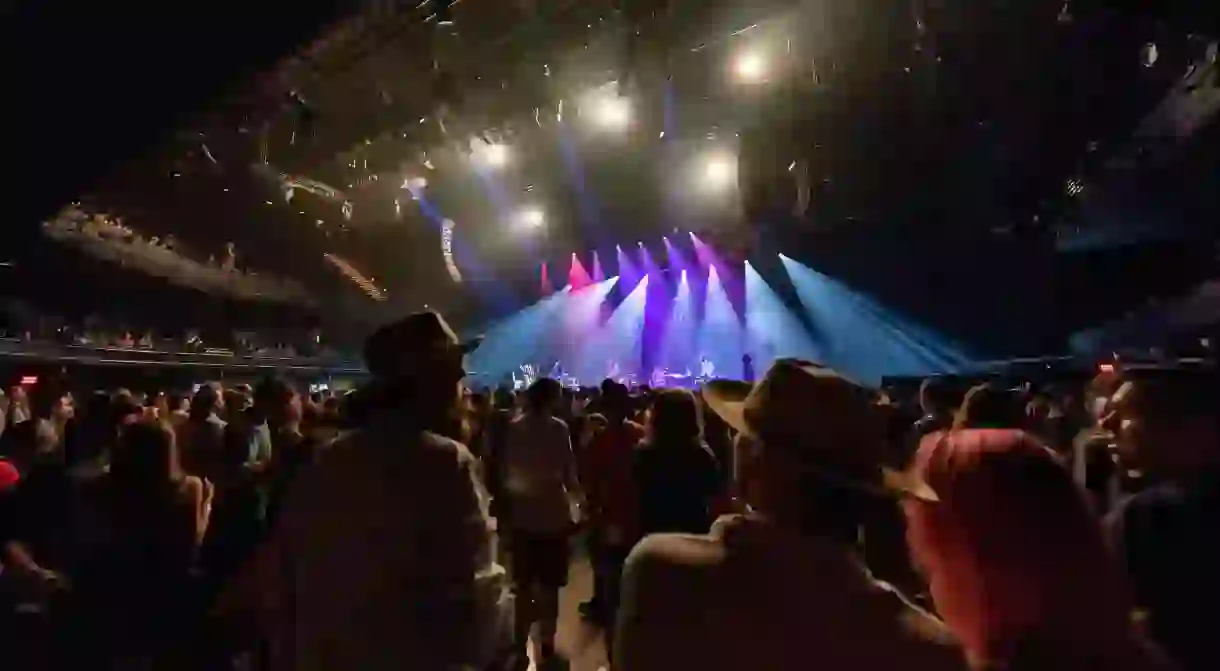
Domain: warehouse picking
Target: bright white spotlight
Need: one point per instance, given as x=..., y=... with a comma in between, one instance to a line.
x=751, y=67
x=720, y=171
x=531, y=217
x=613, y=113
x=495, y=155
x=415, y=184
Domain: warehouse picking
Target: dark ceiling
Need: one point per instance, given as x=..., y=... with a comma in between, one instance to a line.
x=936, y=138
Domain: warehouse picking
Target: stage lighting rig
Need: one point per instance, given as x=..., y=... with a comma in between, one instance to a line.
x=719, y=171
x=613, y=112
x=751, y=67
x=444, y=12
x=531, y=218
x=496, y=155
x=489, y=153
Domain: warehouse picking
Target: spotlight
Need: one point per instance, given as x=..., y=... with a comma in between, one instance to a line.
x=531, y=218
x=720, y=171
x=613, y=113
x=496, y=155
x=444, y=16
x=751, y=67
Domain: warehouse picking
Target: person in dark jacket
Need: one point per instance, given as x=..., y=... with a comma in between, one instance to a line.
x=675, y=472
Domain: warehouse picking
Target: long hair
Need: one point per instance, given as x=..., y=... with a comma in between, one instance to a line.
x=1012, y=550
x=204, y=402
x=988, y=407
x=676, y=419
x=146, y=461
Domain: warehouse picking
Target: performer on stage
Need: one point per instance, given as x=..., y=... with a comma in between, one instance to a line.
x=529, y=374
x=707, y=369
x=613, y=372
x=658, y=377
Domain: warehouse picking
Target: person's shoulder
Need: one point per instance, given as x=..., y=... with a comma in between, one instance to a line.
x=662, y=559
x=192, y=488
x=436, y=442
x=438, y=448
x=1153, y=502
x=1157, y=497
x=914, y=622
x=682, y=550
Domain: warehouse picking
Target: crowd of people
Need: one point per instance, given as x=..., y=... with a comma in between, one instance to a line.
x=25, y=327
x=107, y=237
x=800, y=520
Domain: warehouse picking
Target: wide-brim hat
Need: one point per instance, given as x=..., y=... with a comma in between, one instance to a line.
x=413, y=346
x=833, y=423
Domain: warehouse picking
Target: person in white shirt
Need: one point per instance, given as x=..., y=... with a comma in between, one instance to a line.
x=543, y=494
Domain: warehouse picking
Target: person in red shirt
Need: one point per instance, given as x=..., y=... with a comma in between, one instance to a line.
x=8, y=476
x=611, y=496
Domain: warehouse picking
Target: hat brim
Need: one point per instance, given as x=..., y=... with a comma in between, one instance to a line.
x=471, y=345
x=727, y=399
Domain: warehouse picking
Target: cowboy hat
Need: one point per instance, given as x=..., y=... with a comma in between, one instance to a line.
x=832, y=421
x=413, y=345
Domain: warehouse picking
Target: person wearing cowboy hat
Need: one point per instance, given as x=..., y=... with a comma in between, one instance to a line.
x=782, y=587
x=383, y=556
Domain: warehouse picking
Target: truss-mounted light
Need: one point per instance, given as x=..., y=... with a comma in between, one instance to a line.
x=444, y=12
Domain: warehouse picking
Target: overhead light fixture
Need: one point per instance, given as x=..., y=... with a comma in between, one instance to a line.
x=613, y=112
x=751, y=67
x=531, y=218
x=444, y=15
x=719, y=171
x=495, y=155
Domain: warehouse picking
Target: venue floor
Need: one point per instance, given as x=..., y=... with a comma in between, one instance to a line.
x=575, y=640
